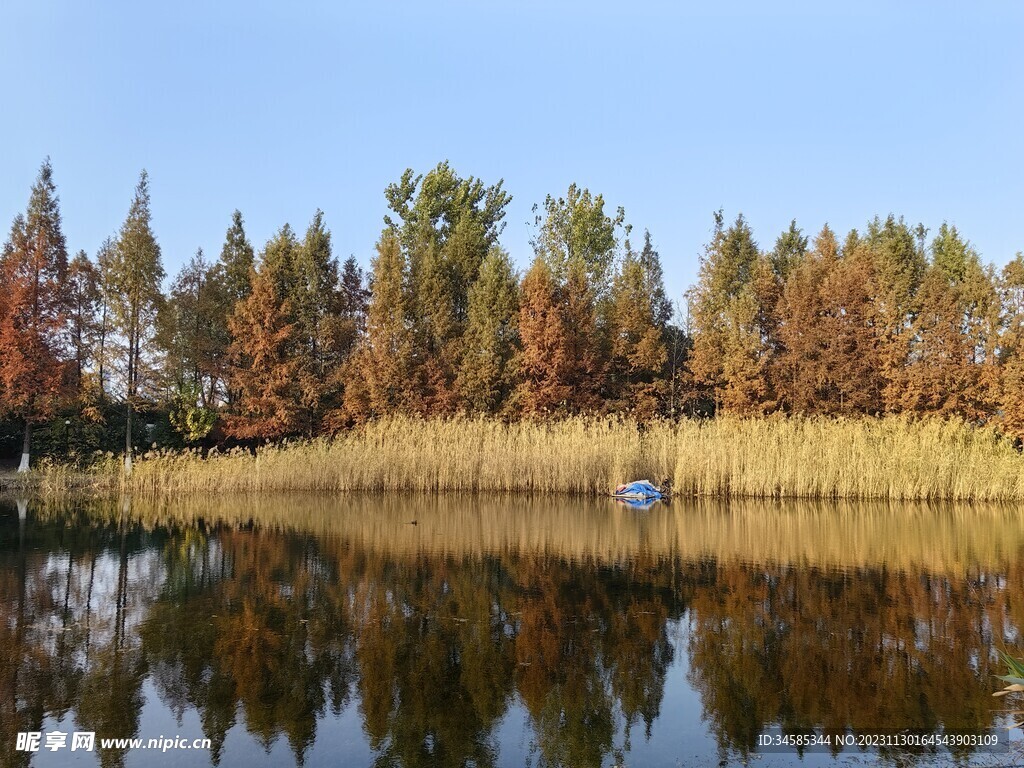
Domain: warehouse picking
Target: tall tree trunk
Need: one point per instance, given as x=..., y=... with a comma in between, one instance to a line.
x=26, y=448
x=129, y=401
x=103, y=352
x=128, y=441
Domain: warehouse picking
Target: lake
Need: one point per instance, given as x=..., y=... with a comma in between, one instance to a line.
x=499, y=631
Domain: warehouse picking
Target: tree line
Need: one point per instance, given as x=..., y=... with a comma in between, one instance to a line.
x=291, y=341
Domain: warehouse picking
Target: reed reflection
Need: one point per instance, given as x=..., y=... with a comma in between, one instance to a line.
x=271, y=618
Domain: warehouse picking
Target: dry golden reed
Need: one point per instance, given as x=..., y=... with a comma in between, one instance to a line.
x=894, y=458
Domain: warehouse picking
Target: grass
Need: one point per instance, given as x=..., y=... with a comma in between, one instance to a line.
x=893, y=458
x=52, y=478
x=1014, y=680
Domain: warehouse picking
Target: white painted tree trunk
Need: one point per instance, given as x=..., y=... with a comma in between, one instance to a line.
x=26, y=446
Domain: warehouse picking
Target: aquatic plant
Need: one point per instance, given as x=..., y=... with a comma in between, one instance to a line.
x=894, y=458
x=1014, y=684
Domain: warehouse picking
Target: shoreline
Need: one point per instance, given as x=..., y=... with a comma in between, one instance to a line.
x=892, y=458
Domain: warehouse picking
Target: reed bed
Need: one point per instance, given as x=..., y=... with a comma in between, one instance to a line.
x=894, y=458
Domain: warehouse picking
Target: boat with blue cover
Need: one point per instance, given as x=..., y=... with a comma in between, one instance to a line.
x=639, y=490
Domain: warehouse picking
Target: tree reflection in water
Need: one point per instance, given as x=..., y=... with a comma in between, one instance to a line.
x=270, y=618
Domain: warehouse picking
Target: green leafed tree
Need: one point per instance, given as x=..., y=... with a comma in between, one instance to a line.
x=446, y=225
x=353, y=295
x=575, y=231
x=346, y=331
x=237, y=260
x=104, y=348
x=650, y=261
x=638, y=332
x=487, y=374
x=231, y=279
x=436, y=329
x=84, y=301
x=184, y=324
x=724, y=312
x=790, y=249
x=134, y=275
x=579, y=242
x=193, y=350
x=385, y=362
x=437, y=201
x=313, y=298
x=230, y=276
x=277, y=261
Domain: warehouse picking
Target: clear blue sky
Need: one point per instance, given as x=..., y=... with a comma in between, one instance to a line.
x=817, y=111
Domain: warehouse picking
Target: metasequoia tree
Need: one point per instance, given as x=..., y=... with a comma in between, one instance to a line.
x=231, y=275
x=313, y=299
x=103, y=350
x=951, y=341
x=351, y=304
x=751, y=344
x=236, y=261
x=386, y=359
x=277, y=261
x=263, y=367
x=724, y=311
x=805, y=380
x=487, y=370
x=134, y=273
x=884, y=321
x=84, y=302
x=578, y=242
x=346, y=328
x=638, y=351
x=853, y=344
x=33, y=274
x=1010, y=391
x=898, y=264
x=545, y=361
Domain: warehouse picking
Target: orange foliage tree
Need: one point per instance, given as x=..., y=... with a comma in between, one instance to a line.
x=33, y=271
x=545, y=358
x=264, y=368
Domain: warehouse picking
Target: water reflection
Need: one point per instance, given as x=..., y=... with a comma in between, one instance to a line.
x=276, y=616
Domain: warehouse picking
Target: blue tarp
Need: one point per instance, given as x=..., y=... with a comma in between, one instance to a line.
x=638, y=489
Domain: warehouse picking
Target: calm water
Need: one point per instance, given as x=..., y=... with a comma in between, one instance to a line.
x=502, y=632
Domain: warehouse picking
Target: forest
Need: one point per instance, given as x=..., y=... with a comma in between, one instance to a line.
x=287, y=341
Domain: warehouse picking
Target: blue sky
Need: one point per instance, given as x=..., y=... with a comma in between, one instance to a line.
x=815, y=111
